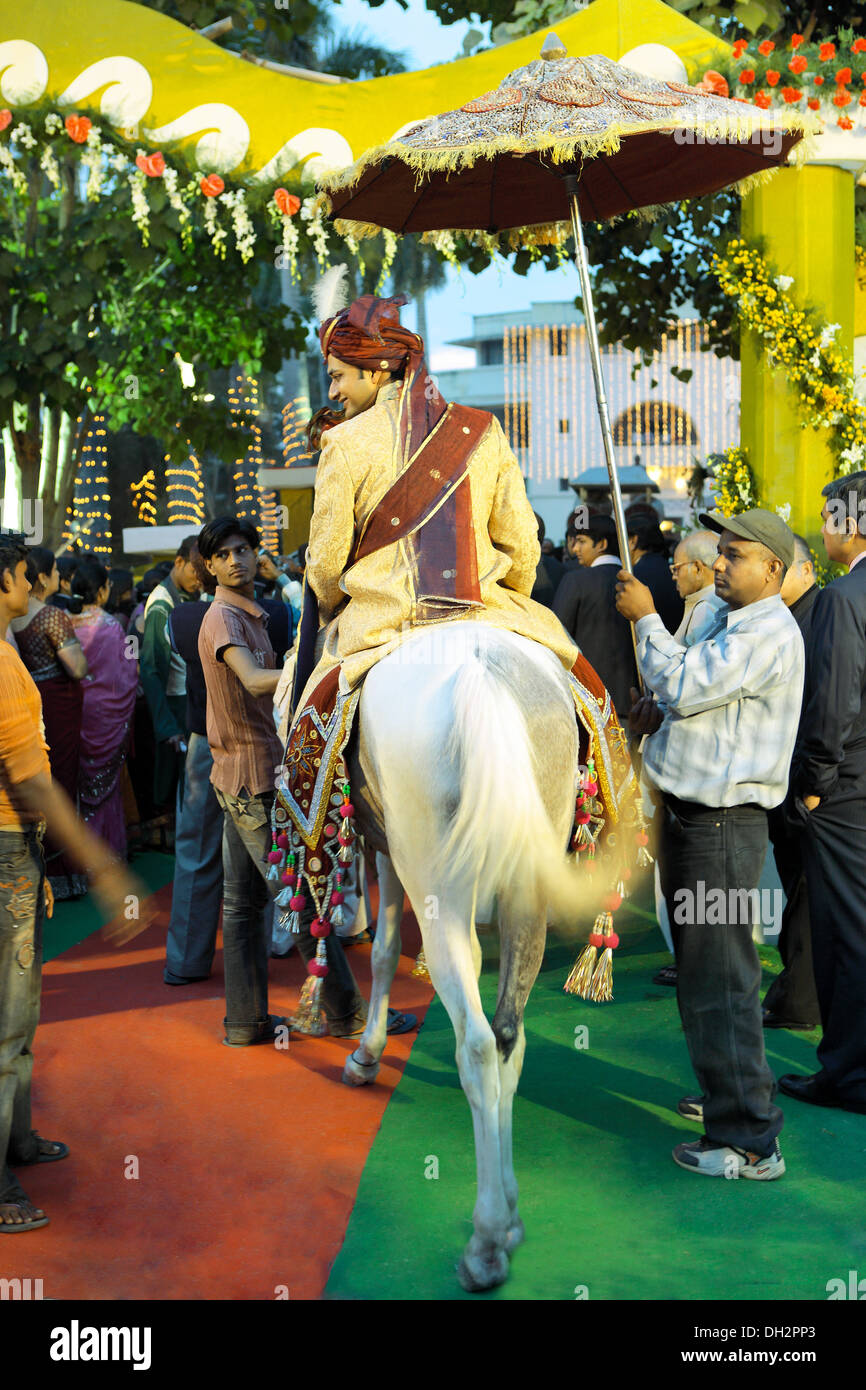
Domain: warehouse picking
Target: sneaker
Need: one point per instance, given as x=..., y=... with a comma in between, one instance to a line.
x=691, y=1108
x=723, y=1161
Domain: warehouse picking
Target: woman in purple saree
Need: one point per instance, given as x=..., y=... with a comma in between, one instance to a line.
x=109, y=705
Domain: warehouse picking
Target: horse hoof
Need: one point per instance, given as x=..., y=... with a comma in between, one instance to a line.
x=354, y=1074
x=516, y=1235
x=476, y=1274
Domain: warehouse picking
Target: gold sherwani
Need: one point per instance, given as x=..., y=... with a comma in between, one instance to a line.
x=374, y=600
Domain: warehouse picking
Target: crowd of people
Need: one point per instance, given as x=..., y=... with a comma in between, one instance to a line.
x=743, y=686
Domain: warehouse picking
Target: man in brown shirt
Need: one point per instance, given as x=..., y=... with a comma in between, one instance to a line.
x=239, y=669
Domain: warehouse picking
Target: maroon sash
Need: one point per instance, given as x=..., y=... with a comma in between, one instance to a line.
x=430, y=508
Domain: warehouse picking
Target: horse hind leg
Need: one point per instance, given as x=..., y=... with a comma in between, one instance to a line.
x=362, y=1066
x=451, y=961
x=522, y=949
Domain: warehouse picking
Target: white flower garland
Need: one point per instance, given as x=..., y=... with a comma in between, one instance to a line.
x=140, y=206
x=245, y=232
x=216, y=233
x=311, y=213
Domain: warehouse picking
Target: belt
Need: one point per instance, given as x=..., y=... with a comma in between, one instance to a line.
x=34, y=829
x=698, y=807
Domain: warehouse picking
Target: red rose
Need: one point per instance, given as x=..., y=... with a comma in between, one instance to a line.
x=845, y=122
x=843, y=97
x=288, y=203
x=773, y=77
x=796, y=40
x=5, y=118
x=843, y=76
x=763, y=99
x=747, y=76
x=151, y=164
x=792, y=94
x=766, y=48
x=819, y=81
x=714, y=82
x=740, y=46
x=814, y=104
x=212, y=186
x=798, y=64
x=826, y=52
x=77, y=128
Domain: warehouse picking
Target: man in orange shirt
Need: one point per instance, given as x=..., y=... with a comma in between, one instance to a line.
x=29, y=800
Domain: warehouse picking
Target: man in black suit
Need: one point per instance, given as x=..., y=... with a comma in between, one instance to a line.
x=828, y=784
x=585, y=604
x=547, y=575
x=791, y=1000
x=650, y=550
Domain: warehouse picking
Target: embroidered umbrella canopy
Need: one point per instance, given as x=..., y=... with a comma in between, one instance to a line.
x=560, y=141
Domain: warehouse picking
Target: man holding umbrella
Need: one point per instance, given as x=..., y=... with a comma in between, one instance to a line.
x=718, y=758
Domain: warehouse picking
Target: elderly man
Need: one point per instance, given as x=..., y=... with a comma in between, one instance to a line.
x=693, y=574
x=828, y=783
x=791, y=1001
x=722, y=739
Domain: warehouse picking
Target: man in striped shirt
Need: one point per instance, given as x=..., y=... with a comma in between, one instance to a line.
x=723, y=722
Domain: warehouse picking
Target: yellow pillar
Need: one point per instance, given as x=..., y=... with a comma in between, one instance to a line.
x=805, y=219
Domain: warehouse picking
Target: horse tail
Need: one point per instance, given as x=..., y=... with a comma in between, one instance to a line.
x=501, y=830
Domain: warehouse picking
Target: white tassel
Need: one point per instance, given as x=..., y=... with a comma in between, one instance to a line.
x=274, y=873
x=283, y=899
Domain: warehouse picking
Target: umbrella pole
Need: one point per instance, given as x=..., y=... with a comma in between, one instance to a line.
x=582, y=264
x=571, y=183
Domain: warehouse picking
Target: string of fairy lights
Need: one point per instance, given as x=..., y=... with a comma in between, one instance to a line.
x=144, y=498
x=245, y=408
x=88, y=518
x=185, y=491
x=550, y=412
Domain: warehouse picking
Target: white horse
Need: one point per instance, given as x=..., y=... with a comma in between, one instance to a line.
x=467, y=764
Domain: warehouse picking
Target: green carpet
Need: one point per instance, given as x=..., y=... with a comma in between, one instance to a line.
x=608, y=1214
x=73, y=921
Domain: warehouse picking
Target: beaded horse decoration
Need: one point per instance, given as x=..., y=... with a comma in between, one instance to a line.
x=608, y=823
x=314, y=832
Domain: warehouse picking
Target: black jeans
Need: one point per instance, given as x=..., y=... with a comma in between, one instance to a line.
x=246, y=842
x=792, y=994
x=702, y=849
x=22, y=904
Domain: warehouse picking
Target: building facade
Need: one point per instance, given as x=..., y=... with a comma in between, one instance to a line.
x=533, y=372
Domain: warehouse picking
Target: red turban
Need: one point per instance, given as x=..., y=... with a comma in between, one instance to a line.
x=370, y=336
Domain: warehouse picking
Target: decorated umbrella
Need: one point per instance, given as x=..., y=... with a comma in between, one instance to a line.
x=564, y=137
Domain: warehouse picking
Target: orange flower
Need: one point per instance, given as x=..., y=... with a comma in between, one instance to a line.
x=212, y=186
x=826, y=52
x=5, y=118
x=740, y=47
x=798, y=64
x=77, y=128
x=796, y=40
x=843, y=97
x=862, y=99
x=763, y=99
x=814, y=104
x=747, y=76
x=819, y=81
x=288, y=203
x=843, y=77
x=792, y=94
x=845, y=122
x=773, y=77
x=151, y=164
x=766, y=48
x=859, y=46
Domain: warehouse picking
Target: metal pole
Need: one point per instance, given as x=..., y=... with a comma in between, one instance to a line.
x=571, y=185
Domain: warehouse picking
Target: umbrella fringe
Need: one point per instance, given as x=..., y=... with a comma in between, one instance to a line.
x=550, y=233
x=454, y=158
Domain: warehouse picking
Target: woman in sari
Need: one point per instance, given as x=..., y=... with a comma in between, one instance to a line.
x=109, y=705
x=51, y=652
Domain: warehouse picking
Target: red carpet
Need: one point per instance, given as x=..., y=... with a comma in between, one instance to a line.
x=248, y=1160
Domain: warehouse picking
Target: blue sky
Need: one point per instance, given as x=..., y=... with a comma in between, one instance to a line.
x=425, y=42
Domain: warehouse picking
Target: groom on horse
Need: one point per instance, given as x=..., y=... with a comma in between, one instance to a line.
x=421, y=513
